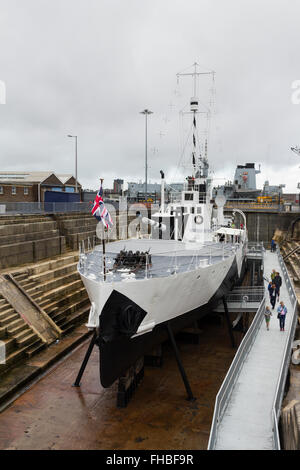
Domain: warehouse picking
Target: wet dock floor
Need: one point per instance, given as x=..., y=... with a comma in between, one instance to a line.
x=54, y=415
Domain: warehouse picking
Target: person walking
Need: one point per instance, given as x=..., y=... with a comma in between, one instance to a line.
x=268, y=315
x=273, y=296
x=277, y=282
x=273, y=274
x=273, y=245
x=281, y=315
x=270, y=288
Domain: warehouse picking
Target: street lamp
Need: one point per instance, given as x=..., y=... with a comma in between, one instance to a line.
x=146, y=112
x=75, y=137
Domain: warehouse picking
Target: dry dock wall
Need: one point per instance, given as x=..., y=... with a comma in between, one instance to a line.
x=26, y=239
x=30, y=238
x=262, y=225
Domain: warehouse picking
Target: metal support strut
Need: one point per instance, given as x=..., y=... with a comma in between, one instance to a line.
x=228, y=322
x=86, y=359
x=180, y=366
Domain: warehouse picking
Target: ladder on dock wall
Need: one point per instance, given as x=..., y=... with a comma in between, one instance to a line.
x=31, y=313
x=285, y=257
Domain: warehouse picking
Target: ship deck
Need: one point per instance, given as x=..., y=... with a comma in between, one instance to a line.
x=167, y=257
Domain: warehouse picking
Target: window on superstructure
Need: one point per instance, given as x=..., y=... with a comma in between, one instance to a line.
x=13, y=190
x=1, y=190
x=26, y=191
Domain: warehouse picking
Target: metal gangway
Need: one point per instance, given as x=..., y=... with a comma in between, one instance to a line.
x=248, y=404
x=242, y=299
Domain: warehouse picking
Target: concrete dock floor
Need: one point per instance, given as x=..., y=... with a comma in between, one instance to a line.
x=54, y=415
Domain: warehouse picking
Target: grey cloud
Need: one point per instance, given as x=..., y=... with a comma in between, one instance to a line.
x=89, y=68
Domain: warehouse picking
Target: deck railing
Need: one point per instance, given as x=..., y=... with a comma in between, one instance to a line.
x=233, y=373
x=246, y=294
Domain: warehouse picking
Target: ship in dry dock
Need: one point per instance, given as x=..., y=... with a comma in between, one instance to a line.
x=140, y=287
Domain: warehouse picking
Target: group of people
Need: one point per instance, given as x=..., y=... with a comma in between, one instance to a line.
x=274, y=293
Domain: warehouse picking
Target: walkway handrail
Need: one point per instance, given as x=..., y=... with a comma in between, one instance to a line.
x=276, y=411
x=224, y=393
x=228, y=384
x=287, y=278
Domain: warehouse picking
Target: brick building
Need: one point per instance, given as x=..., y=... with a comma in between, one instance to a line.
x=28, y=186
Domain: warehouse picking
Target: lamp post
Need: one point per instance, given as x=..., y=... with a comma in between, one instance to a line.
x=75, y=137
x=146, y=112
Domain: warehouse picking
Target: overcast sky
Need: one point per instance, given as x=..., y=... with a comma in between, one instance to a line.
x=88, y=67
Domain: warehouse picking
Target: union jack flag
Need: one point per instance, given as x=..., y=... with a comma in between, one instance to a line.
x=99, y=210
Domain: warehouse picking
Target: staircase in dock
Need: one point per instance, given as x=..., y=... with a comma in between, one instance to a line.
x=19, y=339
x=58, y=290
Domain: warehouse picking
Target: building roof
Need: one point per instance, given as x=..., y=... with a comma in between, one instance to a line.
x=31, y=177
x=24, y=176
x=67, y=179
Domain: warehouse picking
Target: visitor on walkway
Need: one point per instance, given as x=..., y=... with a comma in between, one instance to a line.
x=268, y=315
x=273, y=245
x=273, y=296
x=281, y=315
x=273, y=274
x=277, y=282
x=270, y=288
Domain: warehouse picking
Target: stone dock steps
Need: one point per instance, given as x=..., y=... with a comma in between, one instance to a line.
x=58, y=290
x=28, y=219
x=77, y=228
x=53, y=305
x=22, y=228
x=19, y=339
x=27, y=239
x=293, y=261
x=38, y=262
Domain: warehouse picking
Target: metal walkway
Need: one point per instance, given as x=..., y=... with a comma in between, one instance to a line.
x=242, y=299
x=249, y=402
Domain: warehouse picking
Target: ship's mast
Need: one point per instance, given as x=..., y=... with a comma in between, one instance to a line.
x=194, y=109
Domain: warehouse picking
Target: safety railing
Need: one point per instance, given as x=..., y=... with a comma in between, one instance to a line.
x=246, y=294
x=244, y=348
x=233, y=373
x=286, y=277
x=11, y=208
x=162, y=264
x=254, y=206
x=276, y=410
x=256, y=246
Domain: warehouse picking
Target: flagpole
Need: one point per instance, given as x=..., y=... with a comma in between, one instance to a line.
x=104, y=264
x=103, y=244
